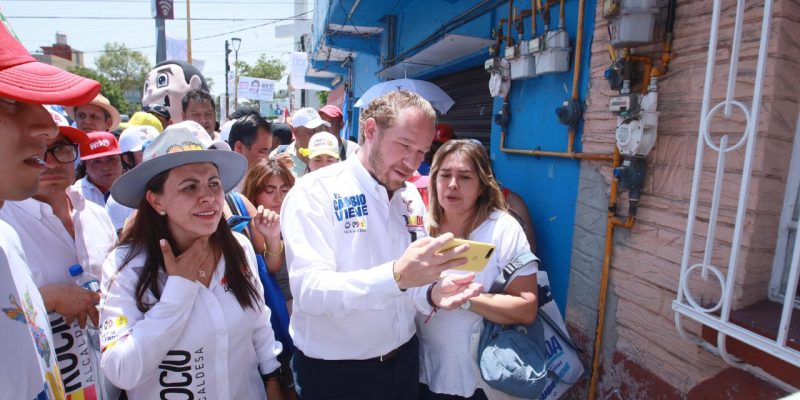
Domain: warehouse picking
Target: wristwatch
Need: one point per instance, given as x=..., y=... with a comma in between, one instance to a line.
x=466, y=305
x=396, y=276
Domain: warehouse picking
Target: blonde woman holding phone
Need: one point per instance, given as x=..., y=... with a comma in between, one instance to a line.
x=466, y=200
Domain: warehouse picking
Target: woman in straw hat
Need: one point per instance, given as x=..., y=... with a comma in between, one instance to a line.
x=182, y=311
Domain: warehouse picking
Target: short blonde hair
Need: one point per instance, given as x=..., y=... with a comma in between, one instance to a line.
x=385, y=109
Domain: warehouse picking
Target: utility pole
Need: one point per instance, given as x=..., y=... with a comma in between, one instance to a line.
x=227, y=79
x=188, y=33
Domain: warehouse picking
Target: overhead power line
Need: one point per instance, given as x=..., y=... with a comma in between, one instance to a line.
x=147, y=18
x=294, y=17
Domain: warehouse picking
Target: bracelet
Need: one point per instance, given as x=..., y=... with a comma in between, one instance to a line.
x=277, y=253
x=429, y=297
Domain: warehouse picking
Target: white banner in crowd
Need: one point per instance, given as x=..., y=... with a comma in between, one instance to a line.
x=297, y=68
x=256, y=88
x=177, y=49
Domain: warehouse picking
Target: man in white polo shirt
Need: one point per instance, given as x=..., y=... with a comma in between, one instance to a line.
x=29, y=369
x=58, y=228
x=355, y=241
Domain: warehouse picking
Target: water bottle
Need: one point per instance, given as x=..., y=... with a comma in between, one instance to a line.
x=90, y=283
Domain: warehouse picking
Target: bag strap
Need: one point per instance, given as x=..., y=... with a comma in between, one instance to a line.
x=237, y=207
x=515, y=265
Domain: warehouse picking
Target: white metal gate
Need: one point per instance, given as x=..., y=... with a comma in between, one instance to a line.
x=717, y=316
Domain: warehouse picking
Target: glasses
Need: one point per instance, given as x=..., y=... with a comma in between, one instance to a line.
x=63, y=153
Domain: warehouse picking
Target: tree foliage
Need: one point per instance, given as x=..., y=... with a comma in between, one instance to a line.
x=124, y=67
x=265, y=68
x=109, y=89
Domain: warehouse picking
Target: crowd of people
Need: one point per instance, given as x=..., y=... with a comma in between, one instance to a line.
x=246, y=260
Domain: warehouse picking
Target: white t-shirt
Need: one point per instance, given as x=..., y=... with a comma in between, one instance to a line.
x=29, y=368
x=342, y=235
x=90, y=191
x=195, y=340
x=50, y=251
x=448, y=342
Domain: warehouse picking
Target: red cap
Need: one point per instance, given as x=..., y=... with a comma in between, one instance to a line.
x=331, y=111
x=444, y=133
x=99, y=144
x=74, y=135
x=24, y=79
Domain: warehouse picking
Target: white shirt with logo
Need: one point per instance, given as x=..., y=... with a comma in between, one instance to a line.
x=342, y=235
x=449, y=341
x=90, y=191
x=50, y=251
x=29, y=369
x=195, y=342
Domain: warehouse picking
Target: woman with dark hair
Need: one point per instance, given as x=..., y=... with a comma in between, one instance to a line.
x=182, y=311
x=466, y=200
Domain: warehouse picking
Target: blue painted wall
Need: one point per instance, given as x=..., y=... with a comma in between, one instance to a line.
x=548, y=185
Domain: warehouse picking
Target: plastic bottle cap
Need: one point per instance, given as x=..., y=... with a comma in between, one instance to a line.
x=75, y=270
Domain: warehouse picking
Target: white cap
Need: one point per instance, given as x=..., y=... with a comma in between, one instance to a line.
x=307, y=118
x=200, y=133
x=132, y=139
x=323, y=143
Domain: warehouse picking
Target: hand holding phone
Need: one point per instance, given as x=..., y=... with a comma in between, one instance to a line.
x=477, y=256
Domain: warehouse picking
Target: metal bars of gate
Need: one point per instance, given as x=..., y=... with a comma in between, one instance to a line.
x=685, y=305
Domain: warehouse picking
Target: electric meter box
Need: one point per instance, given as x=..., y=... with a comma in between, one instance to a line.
x=634, y=24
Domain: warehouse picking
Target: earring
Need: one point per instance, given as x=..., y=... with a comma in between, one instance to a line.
x=162, y=213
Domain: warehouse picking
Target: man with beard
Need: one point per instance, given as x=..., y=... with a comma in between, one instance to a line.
x=355, y=242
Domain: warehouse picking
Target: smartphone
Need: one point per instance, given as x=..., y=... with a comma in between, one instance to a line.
x=477, y=256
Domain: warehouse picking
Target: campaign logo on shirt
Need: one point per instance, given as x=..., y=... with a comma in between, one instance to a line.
x=182, y=374
x=27, y=314
x=75, y=358
x=352, y=210
x=113, y=331
x=415, y=223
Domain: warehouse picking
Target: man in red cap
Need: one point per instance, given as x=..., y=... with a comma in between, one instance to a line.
x=333, y=115
x=102, y=160
x=58, y=228
x=31, y=370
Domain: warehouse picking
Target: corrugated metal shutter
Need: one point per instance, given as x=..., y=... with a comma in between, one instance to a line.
x=471, y=115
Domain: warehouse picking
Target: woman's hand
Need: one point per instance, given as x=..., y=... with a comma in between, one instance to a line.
x=453, y=290
x=285, y=159
x=71, y=301
x=189, y=263
x=268, y=223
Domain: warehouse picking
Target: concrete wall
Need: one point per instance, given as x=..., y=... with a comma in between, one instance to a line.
x=646, y=260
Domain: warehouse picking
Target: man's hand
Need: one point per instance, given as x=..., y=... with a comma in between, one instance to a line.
x=71, y=301
x=422, y=263
x=268, y=223
x=454, y=290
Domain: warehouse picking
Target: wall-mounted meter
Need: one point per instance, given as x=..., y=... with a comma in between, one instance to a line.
x=500, y=76
x=553, y=57
x=630, y=22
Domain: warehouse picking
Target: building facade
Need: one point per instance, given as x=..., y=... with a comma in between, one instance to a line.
x=685, y=253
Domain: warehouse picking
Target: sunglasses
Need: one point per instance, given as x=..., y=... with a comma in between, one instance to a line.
x=63, y=153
